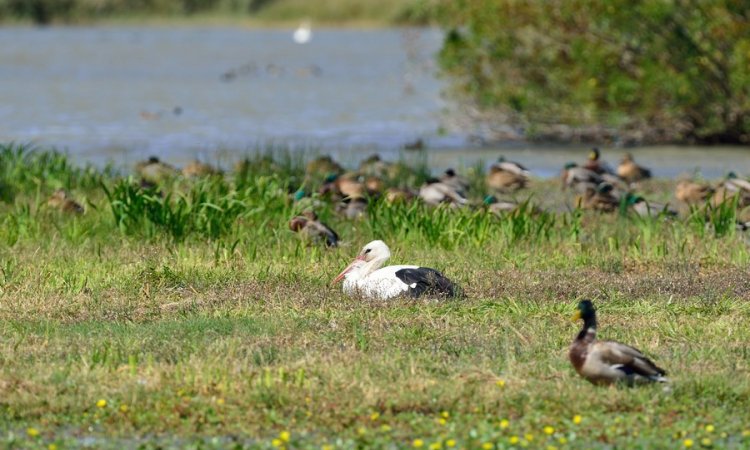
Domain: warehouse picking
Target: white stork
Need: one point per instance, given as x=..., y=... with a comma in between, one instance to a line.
x=365, y=277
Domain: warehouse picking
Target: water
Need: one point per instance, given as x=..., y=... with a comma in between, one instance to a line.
x=122, y=93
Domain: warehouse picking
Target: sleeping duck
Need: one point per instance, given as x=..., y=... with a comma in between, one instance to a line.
x=608, y=362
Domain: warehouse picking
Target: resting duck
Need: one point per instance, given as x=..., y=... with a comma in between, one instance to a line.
x=644, y=208
x=323, y=165
x=365, y=277
x=579, y=178
x=595, y=164
x=608, y=362
x=155, y=171
x=316, y=231
x=435, y=192
x=732, y=187
x=61, y=201
x=507, y=177
x=600, y=198
x=631, y=172
x=692, y=193
x=197, y=169
x=458, y=183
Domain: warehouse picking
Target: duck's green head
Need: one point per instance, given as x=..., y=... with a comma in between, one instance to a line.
x=632, y=199
x=732, y=175
x=331, y=177
x=501, y=159
x=585, y=311
x=490, y=199
x=570, y=165
x=299, y=195
x=594, y=154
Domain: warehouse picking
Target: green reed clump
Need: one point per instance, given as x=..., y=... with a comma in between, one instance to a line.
x=25, y=168
x=208, y=208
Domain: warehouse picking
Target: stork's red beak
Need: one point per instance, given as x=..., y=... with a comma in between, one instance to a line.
x=348, y=269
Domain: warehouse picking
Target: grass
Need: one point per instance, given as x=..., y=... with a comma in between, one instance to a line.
x=197, y=320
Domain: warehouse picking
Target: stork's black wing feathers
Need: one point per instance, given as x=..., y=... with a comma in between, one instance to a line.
x=426, y=281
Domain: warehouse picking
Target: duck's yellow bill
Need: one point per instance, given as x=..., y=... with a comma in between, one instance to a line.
x=592, y=156
x=576, y=316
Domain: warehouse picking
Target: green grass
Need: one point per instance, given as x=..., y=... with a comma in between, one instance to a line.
x=203, y=322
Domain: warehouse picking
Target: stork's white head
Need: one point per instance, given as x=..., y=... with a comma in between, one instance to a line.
x=372, y=256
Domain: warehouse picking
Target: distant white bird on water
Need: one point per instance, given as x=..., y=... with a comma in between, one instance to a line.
x=365, y=277
x=303, y=33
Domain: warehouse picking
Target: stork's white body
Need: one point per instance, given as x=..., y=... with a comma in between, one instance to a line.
x=381, y=284
x=364, y=277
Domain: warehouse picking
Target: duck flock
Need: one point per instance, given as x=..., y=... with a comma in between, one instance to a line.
x=594, y=183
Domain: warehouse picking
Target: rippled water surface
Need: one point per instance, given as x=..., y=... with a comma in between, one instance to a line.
x=122, y=93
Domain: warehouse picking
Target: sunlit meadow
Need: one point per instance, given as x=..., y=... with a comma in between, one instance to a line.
x=189, y=316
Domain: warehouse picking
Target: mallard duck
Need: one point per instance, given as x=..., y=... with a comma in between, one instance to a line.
x=197, y=169
x=458, y=183
x=374, y=166
x=323, y=165
x=608, y=362
x=352, y=207
x=644, y=208
x=313, y=229
x=154, y=171
x=600, y=198
x=61, y=201
x=511, y=166
x=692, y=193
x=398, y=195
x=579, y=178
x=729, y=189
x=631, y=172
x=502, y=180
x=595, y=164
x=341, y=186
x=435, y=192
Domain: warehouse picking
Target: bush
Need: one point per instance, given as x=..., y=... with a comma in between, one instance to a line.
x=676, y=70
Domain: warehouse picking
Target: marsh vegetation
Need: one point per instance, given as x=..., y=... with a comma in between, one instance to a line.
x=187, y=314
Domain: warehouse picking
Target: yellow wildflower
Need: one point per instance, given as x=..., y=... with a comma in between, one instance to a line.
x=124, y=408
x=101, y=403
x=500, y=383
x=706, y=442
x=436, y=445
x=326, y=447
x=577, y=419
x=746, y=433
x=52, y=447
x=562, y=440
x=442, y=421
x=417, y=443
x=548, y=430
x=445, y=414
x=504, y=424
x=687, y=443
x=487, y=446
x=710, y=428
x=32, y=432
x=285, y=436
x=385, y=427
x=375, y=416
x=219, y=401
x=513, y=440
x=551, y=447
x=277, y=443
x=361, y=431
x=450, y=443
x=529, y=437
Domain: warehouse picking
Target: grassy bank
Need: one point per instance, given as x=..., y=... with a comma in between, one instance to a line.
x=200, y=321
